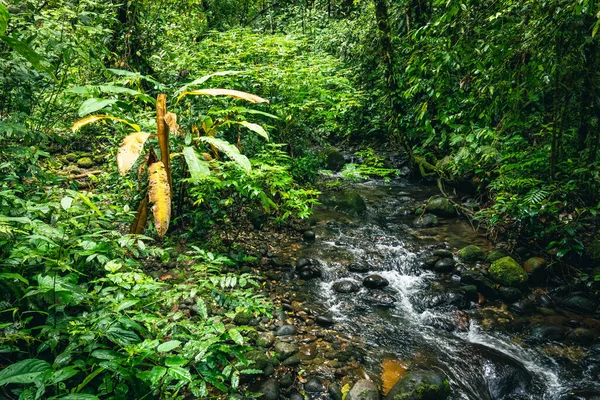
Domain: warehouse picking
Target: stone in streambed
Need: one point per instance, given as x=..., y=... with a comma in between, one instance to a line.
x=426, y=221
x=85, y=162
x=523, y=307
x=265, y=339
x=334, y=160
x=324, y=321
x=580, y=304
x=259, y=357
x=507, y=272
x=509, y=294
x=442, y=253
x=285, y=330
x=335, y=392
x=375, y=282
x=71, y=157
x=291, y=361
x=542, y=333
x=496, y=255
x=441, y=207
x=270, y=390
x=363, y=390
x=310, y=272
x=314, y=385
x=346, y=201
x=309, y=236
x=471, y=253
x=444, y=265
x=483, y=284
x=420, y=385
x=582, y=336
x=345, y=286
x=285, y=349
x=380, y=298
x=430, y=262
x=302, y=263
x=360, y=268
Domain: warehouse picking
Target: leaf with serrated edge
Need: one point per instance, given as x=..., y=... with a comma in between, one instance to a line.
x=130, y=150
x=236, y=94
x=90, y=119
x=159, y=194
x=255, y=128
x=232, y=152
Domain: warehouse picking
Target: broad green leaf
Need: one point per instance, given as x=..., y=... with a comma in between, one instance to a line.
x=127, y=303
x=180, y=374
x=236, y=94
x=136, y=75
x=26, y=52
x=92, y=105
x=235, y=380
x=159, y=194
x=26, y=371
x=90, y=119
x=255, y=128
x=202, y=311
x=153, y=376
x=198, y=168
x=89, y=203
x=130, y=151
x=236, y=336
x=176, y=361
x=230, y=150
x=203, y=79
x=9, y=275
x=198, y=389
x=66, y=202
x=79, y=396
x=63, y=374
x=4, y=16
x=168, y=346
x=244, y=110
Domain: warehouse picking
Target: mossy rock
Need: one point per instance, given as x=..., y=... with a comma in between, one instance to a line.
x=71, y=157
x=420, y=385
x=243, y=317
x=426, y=221
x=534, y=265
x=334, y=160
x=99, y=159
x=259, y=357
x=471, y=253
x=345, y=201
x=495, y=255
x=507, y=272
x=441, y=207
x=85, y=162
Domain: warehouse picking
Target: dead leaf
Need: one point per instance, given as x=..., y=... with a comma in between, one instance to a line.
x=159, y=193
x=130, y=150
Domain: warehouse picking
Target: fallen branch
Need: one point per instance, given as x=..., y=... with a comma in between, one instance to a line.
x=84, y=175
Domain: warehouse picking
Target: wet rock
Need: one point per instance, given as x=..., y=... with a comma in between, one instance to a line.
x=334, y=160
x=269, y=390
x=285, y=330
x=243, y=317
x=507, y=272
x=442, y=253
x=426, y=221
x=522, y=251
x=309, y=236
x=420, y=385
x=441, y=207
x=580, y=304
x=310, y=272
x=483, y=284
x=295, y=395
x=360, y=268
x=335, y=392
x=314, y=385
x=495, y=255
x=523, y=307
x=285, y=349
x=346, y=201
x=259, y=357
x=346, y=286
x=534, y=264
x=324, y=321
x=506, y=378
x=470, y=291
x=307, y=351
x=375, y=282
x=509, y=294
x=265, y=339
x=302, y=263
x=291, y=361
x=85, y=162
x=444, y=265
x=471, y=253
x=582, y=336
x=363, y=390
x=430, y=262
x=380, y=298
x=286, y=380
x=542, y=333
x=71, y=157
x=544, y=301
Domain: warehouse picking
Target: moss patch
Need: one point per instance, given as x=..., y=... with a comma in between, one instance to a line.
x=471, y=253
x=508, y=272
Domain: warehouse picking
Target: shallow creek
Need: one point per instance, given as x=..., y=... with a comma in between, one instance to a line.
x=488, y=354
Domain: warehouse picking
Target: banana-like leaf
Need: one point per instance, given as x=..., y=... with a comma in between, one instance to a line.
x=141, y=217
x=26, y=52
x=230, y=150
x=236, y=94
x=93, y=105
x=255, y=128
x=136, y=75
x=171, y=120
x=159, y=193
x=90, y=119
x=4, y=15
x=198, y=168
x=130, y=150
x=203, y=79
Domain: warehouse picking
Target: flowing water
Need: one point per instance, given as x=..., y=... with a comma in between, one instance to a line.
x=420, y=328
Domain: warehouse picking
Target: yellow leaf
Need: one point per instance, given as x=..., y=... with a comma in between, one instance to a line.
x=90, y=119
x=159, y=194
x=255, y=128
x=171, y=120
x=130, y=150
x=226, y=92
x=392, y=371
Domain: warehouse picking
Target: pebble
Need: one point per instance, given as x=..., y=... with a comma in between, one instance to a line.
x=285, y=330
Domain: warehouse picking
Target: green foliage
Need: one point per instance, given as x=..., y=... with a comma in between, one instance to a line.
x=371, y=166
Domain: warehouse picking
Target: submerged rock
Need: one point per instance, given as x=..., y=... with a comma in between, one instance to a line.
x=380, y=298
x=426, y=221
x=346, y=201
x=363, y=390
x=508, y=272
x=544, y=332
x=420, y=385
x=441, y=207
x=345, y=286
x=471, y=253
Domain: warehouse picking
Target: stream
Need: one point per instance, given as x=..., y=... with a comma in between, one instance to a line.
x=424, y=319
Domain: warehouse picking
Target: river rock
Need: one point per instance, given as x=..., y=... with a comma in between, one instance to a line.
x=269, y=390
x=582, y=336
x=443, y=253
x=507, y=272
x=314, y=385
x=85, y=162
x=483, y=284
x=363, y=390
x=324, y=321
x=291, y=361
x=534, y=264
x=542, y=333
x=302, y=263
x=426, y=221
x=380, y=298
x=259, y=357
x=509, y=294
x=285, y=330
x=523, y=307
x=310, y=272
x=375, y=282
x=441, y=207
x=334, y=160
x=285, y=349
x=495, y=255
x=506, y=378
x=444, y=265
x=345, y=201
x=420, y=385
x=346, y=286
x=430, y=262
x=471, y=253
x=335, y=392
x=580, y=304
x=360, y=268
x=265, y=339
x=309, y=236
